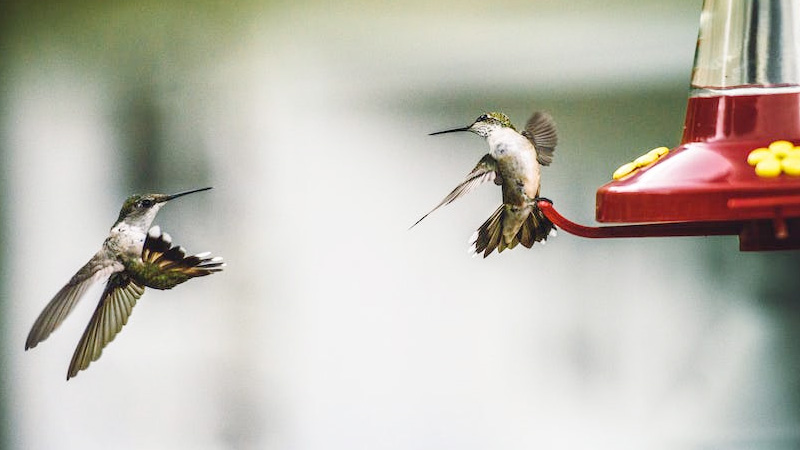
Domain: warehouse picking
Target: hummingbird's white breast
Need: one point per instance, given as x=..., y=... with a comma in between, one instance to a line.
x=128, y=235
x=517, y=164
x=126, y=241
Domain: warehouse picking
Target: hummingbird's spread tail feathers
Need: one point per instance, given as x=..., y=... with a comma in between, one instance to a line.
x=495, y=234
x=98, y=268
x=165, y=266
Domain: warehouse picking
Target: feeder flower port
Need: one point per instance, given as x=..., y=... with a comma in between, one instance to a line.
x=779, y=157
x=642, y=161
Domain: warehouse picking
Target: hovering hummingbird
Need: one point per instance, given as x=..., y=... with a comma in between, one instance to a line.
x=513, y=162
x=133, y=256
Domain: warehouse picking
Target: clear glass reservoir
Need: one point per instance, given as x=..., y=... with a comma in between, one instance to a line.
x=747, y=45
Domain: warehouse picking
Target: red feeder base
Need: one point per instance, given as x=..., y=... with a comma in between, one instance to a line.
x=700, y=182
x=705, y=186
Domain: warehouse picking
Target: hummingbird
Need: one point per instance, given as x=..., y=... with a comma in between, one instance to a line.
x=513, y=162
x=133, y=256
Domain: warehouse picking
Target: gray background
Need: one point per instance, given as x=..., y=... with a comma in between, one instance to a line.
x=334, y=327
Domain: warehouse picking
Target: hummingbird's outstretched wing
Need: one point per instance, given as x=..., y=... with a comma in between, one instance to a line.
x=541, y=131
x=109, y=317
x=486, y=170
x=162, y=267
x=102, y=264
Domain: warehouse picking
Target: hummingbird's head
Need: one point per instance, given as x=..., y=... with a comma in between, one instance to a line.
x=484, y=125
x=140, y=210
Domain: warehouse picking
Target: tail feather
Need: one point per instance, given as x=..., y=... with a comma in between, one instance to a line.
x=536, y=228
x=527, y=232
x=541, y=227
x=489, y=235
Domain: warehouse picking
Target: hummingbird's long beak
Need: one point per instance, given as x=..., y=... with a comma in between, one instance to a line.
x=181, y=194
x=451, y=131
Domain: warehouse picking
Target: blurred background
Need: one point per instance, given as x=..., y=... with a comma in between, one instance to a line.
x=334, y=326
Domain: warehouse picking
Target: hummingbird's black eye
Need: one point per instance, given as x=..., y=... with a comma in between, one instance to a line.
x=146, y=203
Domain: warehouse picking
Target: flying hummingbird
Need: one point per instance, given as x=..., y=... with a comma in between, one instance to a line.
x=513, y=162
x=133, y=256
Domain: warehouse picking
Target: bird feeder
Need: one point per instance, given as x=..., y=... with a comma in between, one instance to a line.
x=736, y=170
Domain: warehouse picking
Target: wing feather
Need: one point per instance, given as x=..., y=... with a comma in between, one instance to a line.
x=111, y=314
x=485, y=170
x=98, y=268
x=541, y=131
